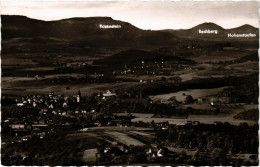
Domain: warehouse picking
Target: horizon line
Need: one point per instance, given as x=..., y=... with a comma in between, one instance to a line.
x=129, y=22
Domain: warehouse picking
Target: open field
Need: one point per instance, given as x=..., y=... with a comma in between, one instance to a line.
x=206, y=119
x=142, y=115
x=250, y=106
x=206, y=70
x=89, y=155
x=199, y=106
x=140, y=77
x=125, y=139
x=37, y=69
x=141, y=133
x=216, y=73
x=195, y=93
x=117, y=128
x=230, y=112
x=13, y=80
x=113, y=134
x=228, y=116
x=17, y=62
x=86, y=89
x=73, y=136
x=10, y=80
x=220, y=56
x=250, y=66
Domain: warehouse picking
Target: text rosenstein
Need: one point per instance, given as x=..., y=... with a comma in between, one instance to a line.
x=109, y=26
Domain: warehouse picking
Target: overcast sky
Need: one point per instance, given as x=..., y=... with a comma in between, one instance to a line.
x=145, y=15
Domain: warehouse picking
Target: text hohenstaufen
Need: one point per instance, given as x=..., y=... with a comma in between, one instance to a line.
x=250, y=35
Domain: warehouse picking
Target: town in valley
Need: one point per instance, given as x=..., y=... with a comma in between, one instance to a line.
x=100, y=91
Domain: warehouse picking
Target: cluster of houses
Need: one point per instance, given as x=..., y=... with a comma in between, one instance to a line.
x=47, y=100
x=50, y=104
x=115, y=149
x=213, y=101
x=107, y=94
x=59, y=104
x=74, y=65
x=118, y=149
x=149, y=68
x=97, y=76
x=22, y=130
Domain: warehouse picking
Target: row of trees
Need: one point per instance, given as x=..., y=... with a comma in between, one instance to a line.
x=248, y=115
x=245, y=87
x=223, y=138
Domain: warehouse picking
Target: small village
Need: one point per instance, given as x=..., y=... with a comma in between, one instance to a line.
x=38, y=116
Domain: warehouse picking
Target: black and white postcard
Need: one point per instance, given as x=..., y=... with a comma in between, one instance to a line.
x=129, y=83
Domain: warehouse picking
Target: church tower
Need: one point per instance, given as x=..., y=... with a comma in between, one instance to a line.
x=78, y=97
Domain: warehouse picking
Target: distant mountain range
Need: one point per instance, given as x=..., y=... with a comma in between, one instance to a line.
x=85, y=31
x=212, y=31
x=88, y=31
